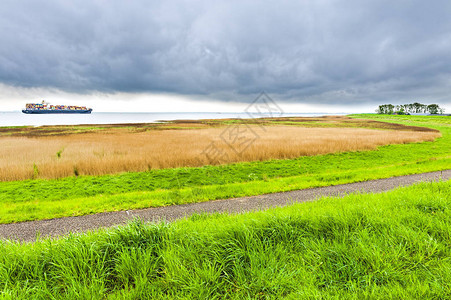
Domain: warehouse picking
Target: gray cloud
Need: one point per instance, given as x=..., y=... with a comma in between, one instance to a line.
x=313, y=51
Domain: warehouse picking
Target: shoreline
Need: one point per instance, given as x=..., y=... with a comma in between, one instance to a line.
x=18, y=118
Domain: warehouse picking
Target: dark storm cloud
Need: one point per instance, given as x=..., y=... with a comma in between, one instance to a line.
x=313, y=51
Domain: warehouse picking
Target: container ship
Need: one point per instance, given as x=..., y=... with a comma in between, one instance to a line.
x=45, y=108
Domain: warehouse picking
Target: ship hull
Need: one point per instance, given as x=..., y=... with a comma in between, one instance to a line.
x=42, y=111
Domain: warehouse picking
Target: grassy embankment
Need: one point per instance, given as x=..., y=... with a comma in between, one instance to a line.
x=41, y=199
x=393, y=245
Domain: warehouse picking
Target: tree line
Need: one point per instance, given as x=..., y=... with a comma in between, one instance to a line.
x=403, y=109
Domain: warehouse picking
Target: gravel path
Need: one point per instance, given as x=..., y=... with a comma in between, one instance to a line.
x=27, y=231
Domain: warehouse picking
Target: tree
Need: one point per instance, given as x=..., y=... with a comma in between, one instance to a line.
x=389, y=109
x=417, y=106
x=401, y=111
x=433, y=109
x=386, y=109
x=424, y=108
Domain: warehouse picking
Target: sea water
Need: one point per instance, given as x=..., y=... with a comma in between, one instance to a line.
x=21, y=119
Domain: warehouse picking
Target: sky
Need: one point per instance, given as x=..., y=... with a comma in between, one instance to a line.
x=309, y=56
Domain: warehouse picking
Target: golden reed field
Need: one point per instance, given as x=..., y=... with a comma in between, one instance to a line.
x=119, y=150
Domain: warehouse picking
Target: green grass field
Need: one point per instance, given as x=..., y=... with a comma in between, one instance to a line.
x=393, y=245
x=44, y=199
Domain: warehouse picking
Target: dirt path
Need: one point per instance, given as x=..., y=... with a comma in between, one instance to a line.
x=28, y=231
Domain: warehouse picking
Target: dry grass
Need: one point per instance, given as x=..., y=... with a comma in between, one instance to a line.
x=119, y=150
